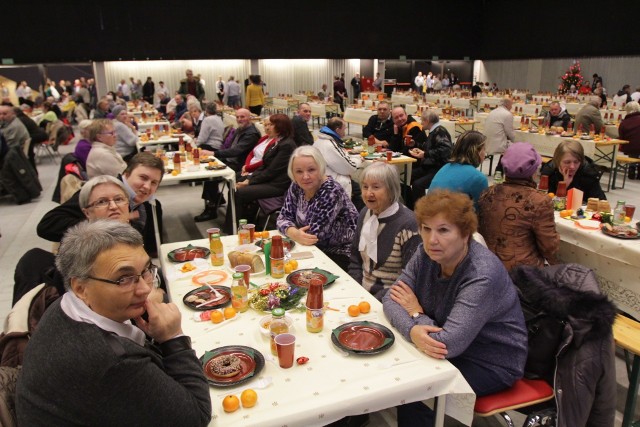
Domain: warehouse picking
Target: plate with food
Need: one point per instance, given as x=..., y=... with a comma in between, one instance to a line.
x=207, y=298
x=276, y=295
x=376, y=156
x=567, y=134
x=215, y=167
x=363, y=337
x=286, y=242
x=231, y=365
x=621, y=231
x=586, y=138
x=308, y=276
x=188, y=253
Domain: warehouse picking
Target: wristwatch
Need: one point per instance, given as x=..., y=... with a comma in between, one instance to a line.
x=416, y=315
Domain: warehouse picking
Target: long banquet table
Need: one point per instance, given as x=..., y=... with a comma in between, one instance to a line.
x=331, y=385
x=615, y=261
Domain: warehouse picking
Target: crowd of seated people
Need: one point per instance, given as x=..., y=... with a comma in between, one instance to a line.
x=437, y=258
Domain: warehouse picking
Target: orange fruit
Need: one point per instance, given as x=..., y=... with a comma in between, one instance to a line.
x=551, y=195
x=229, y=313
x=265, y=234
x=174, y=173
x=230, y=403
x=294, y=264
x=287, y=268
x=216, y=316
x=354, y=310
x=364, y=307
x=249, y=398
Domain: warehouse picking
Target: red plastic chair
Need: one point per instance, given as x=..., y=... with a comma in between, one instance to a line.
x=522, y=394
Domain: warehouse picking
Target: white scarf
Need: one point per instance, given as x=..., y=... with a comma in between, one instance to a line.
x=77, y=310
x=369, y=233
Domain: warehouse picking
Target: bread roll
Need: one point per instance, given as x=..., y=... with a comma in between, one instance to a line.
x=246, y=258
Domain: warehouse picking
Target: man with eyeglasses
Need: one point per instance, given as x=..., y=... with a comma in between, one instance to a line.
x=380, y=125
x=87, y=335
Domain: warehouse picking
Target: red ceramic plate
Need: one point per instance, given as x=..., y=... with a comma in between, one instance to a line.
x=197, y=298
x=363, y=337
x=251, y=363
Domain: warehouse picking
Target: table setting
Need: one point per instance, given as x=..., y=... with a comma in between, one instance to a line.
x=356, y=362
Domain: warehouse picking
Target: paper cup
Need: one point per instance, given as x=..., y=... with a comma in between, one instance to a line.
x=285, y=345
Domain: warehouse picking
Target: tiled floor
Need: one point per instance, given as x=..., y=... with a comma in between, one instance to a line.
x=180, y=204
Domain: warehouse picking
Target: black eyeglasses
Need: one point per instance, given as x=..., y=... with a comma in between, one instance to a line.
x=148, y=275
x=103, y=203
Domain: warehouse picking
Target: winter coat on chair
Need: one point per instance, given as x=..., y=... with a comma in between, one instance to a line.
x=18, y=177
x=585, y=376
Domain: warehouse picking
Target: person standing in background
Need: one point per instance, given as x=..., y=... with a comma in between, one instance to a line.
x=355, y=84
x=148, y=90
x=378, y=82
x=255, y=95
x=233, y=93
x=220, y=89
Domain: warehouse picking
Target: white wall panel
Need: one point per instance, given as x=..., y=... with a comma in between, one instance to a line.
x=544, y=74
x=295, y=75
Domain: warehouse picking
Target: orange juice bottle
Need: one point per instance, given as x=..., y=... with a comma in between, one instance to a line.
x=217, y=250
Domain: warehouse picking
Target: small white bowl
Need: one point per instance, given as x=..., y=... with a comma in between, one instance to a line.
x=267, y=319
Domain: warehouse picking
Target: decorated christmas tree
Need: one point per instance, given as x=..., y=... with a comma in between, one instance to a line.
x=573, y=77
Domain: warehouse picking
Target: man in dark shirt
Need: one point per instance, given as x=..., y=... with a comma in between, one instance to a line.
x=476, y=89
x=233, y=153
x=301, y=134
x=148, y=90
x=191, y=86
x=355, y=84
x=380, y=125
x=339, y=92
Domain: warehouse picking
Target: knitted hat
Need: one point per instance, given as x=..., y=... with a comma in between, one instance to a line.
x=117, y=109
x=520, y=161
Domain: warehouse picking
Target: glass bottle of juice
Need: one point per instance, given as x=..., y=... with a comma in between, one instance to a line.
x=176, y=162
x=217, y=250
x=277, y=326
x=619, y=213
x=560, y=199
x=277, y=257
x=315, y=303
x=196, y=157
x=239, y=294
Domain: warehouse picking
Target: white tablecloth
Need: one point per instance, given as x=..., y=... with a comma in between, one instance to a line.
x=300, y=97
x=527, y=109
x=492, y=101
x=319, y=109
x=145, y=125
x=397, y=98
x=615, y=261
x=546, y=144
x=330, y=386
x=358, y=116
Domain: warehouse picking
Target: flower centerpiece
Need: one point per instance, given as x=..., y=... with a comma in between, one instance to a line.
x=276, y=295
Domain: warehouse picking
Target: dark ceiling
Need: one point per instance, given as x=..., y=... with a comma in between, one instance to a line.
x=486, y=29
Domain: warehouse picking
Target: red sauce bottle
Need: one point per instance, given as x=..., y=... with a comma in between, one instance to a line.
x=277, y=257
x=315, y=305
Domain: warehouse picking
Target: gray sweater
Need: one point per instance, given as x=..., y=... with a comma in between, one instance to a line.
x=477, y=308
x=78, y=374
